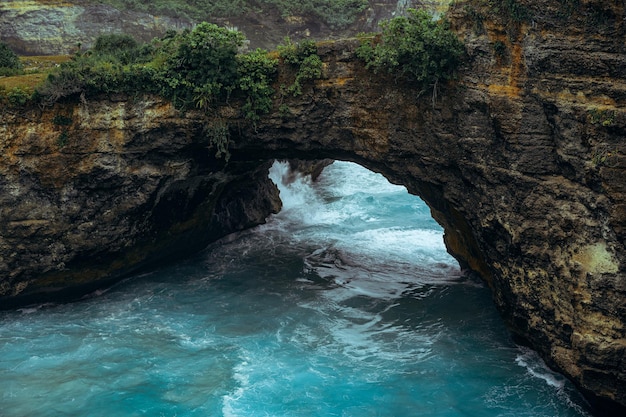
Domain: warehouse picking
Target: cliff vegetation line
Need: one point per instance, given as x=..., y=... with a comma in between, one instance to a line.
x=208, y=66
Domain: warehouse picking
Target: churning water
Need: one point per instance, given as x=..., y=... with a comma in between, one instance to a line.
x=344, y=304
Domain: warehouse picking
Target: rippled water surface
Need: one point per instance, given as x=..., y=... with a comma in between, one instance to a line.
x=344, y=304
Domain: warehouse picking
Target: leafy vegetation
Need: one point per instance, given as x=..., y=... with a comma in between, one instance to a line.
x=414, y=47
x=303, y=57
x=256, y=72
x=218, y=136
x=198, y=68
x=9, y=62
x=604, y=156
x=205, y=67
x=602, y=117
x=17, y=97
x=201, y=68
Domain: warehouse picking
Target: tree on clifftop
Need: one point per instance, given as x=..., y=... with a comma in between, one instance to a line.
x=415, y=47
x=8, y=59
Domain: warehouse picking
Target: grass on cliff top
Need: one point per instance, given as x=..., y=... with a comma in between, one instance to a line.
x=26, y=82
x=36, y=70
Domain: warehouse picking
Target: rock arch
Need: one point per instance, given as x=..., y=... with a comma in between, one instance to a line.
x=527, y=187
x=521, y=199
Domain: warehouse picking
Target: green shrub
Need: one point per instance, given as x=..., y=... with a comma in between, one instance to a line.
x=107, y=68
x=602, y=117
x=65, y=82
x=193, y=68
x=17, y=97
x=219, y=138
x=206, y=59
x=415, y=47
x=8, y=59
x=302, y=56
x=294, y=53
x=121, y=48
x=256, y=73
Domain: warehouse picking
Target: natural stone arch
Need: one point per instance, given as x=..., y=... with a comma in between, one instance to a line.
x=517, y=203
x=520, y=202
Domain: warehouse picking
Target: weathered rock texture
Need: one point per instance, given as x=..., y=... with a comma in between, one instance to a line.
x=522, y=160
x=56, y=27
x=125, y=184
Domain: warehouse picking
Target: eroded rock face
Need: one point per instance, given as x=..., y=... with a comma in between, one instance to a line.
x=36, y=27
x=522, y=160
x=116, y=186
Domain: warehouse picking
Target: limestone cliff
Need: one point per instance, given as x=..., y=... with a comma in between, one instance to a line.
x=116, y=186
x=522, y=160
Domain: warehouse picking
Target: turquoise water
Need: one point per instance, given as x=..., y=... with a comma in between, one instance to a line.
x=344, y=304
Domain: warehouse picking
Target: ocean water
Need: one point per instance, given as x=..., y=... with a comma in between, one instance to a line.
x=344, y=304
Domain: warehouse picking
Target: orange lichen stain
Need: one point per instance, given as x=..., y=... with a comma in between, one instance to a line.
x=504, y=90
x=334, y=82
x=517, y=64
x=515, y=70
x=566, y=96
